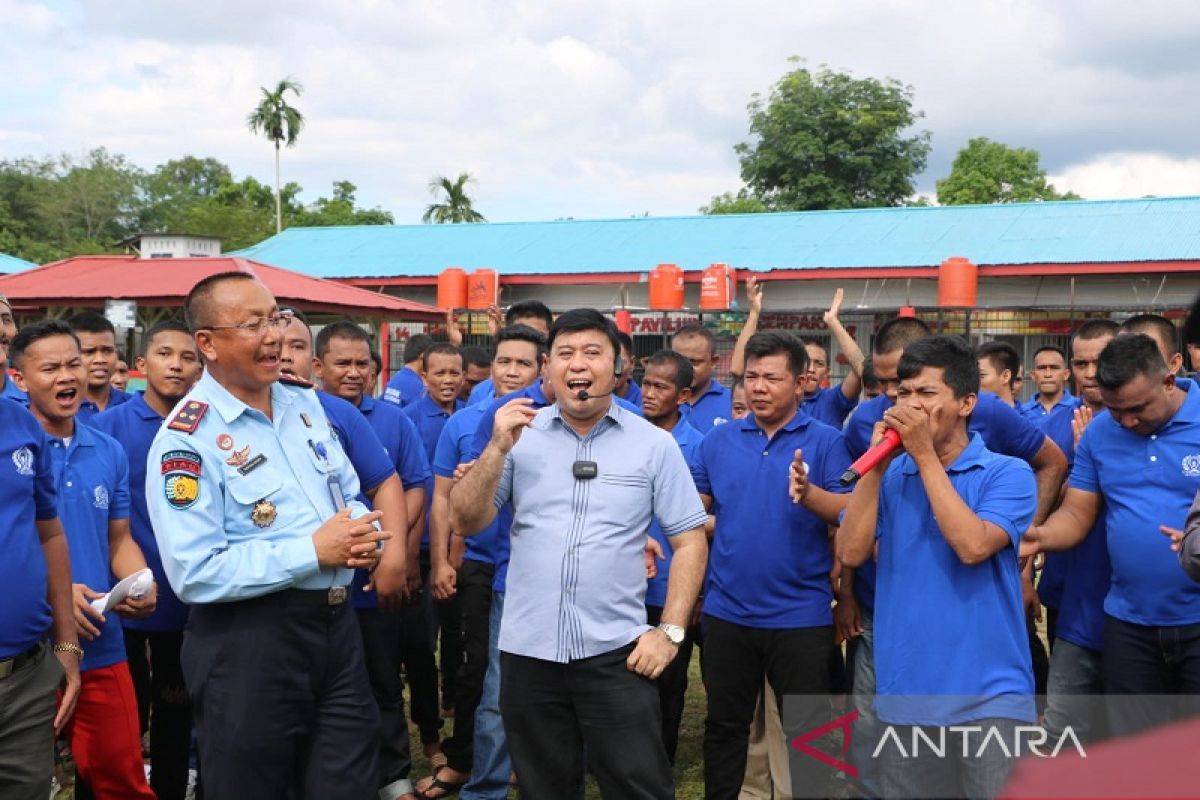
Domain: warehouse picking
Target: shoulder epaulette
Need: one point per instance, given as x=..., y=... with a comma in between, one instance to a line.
x=188, y=418
x=296, y=380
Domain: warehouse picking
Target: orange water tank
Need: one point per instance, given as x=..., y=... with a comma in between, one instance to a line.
x=717, y=285
x=666, y=288
x=483, y=288
x=908, y=311
x=958, y=283
x=452, y=289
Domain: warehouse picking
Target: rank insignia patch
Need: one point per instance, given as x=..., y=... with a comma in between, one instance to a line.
x=188, y=418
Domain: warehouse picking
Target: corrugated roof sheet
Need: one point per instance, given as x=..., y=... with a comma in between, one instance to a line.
x=10, y=264
x=1150, y=229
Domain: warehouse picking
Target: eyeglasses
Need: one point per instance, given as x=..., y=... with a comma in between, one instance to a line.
x=257, y=326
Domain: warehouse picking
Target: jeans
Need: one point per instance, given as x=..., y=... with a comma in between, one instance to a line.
x=1073, y=692
x=491, y=768
x=916, y=771
x=795, y=661
x=1146, y=660
x=863, y=699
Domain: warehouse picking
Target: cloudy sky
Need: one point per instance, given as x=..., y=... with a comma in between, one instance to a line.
x=604, y=108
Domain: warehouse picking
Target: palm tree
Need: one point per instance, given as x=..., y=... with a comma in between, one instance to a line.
x=279, y=122
x=457, y=206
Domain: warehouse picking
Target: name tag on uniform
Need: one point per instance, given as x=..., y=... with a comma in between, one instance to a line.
x=252, y=464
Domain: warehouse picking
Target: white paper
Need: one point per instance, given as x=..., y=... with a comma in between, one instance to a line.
x=136, y=586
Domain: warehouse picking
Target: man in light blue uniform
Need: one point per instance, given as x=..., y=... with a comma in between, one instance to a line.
x=584, y=480
x=251, y=499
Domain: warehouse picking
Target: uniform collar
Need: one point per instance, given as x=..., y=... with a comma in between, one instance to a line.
x=228, y=406
x=431, y=409
x=714, y=387
x=535, y=391
x=683, y=432
x=614, y=412
x=798, y=422
x=1189, y=410
x=140, y=407
x=83, y=436
x=973, y=455
x=367, y=404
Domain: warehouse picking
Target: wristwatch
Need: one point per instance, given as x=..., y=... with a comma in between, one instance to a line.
x=673, y=632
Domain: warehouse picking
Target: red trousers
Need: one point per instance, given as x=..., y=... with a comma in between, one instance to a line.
x=105, y=738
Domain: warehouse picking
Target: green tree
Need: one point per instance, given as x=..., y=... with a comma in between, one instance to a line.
x=279, y=122
x=729, y=203
x=174, y=188
x=455, y=205
x=827, y=140
x=992, y=172
x=340, y=210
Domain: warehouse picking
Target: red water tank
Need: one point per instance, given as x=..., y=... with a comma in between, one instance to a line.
x=624, y=320
x=452, y=289
x=717, y=285
x=483, y=289
x=908, y=311
x=958, y=283
x=666, y=288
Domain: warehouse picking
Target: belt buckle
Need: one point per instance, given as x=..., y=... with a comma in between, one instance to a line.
x=6, y=667
x=337, y=595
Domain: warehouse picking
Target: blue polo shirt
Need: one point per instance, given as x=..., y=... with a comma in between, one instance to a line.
x=484, y=392
x=404, y=387
x=944, y=628
x=452, y=447
x=770, y=558
x=134, y=425
x=829, y=405
x=1145, y=481
x=1004, y=431
x=688, y=439
x=633, y=394
x=1033, y=410
x=92, y=476
x=710, y=409
x=10, y=390
x=88, y=409
x=429, y=419
x=402, y=453
x=1056, y=425
x=27, y=494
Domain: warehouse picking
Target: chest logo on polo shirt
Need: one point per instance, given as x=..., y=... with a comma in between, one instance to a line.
x=1191, y=465
x=719, y=421
x=181, y=478
x=23, y=460
x=100, y=497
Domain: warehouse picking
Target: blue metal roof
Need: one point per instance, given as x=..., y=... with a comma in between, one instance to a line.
x=11, y=264
x=1150, y=229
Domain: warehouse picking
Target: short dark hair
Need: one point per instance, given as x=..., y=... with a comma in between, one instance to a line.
x=473, y=356
x=951, y=354
x=696, y=329
x=626, y=340
x=91, y=322
x=897, y=334
x=1096, y=329
x=439, y=349
x=585, y=319
x=342, y=329
x=815, y=342
x=376, y=360
x=1126, y=357
x=869, y=379
x=1050, y=348
x=36, y=332
x=197, y=306
x=685, y=375
x=416, y=346
x=1002, y=356
x=524, y=333
x=172, y=325
x=773, y=343
x=526, y=309
x=1156, y=325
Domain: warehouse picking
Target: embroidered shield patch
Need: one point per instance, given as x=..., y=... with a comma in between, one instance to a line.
x=181, y=478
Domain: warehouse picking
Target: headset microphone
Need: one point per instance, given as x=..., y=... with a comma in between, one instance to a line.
x=584, y=394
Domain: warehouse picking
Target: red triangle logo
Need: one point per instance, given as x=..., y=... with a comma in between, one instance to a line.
x=800, y=743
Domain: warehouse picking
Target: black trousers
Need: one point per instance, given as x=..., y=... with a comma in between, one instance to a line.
x=381, y=650
x=796, y=662
x=450, y=645
x=475, y=600
x=672, y=684
x=553, y=711
x=418, y=635
x=162, y=697
x=281, y=699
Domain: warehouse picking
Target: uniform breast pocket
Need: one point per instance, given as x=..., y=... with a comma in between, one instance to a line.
x=627, y=489
x=258, y=485
x=326, y=454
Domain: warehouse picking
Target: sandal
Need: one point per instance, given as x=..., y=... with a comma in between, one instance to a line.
x=447, y=788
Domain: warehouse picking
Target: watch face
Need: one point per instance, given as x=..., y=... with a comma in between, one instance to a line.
x=673, y=632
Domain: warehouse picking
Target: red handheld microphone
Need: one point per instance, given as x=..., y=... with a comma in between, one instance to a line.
x=870, y=459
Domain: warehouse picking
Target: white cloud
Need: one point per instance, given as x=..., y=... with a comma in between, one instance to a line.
x=1114, y=175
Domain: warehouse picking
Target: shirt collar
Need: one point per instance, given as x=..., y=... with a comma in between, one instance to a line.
x=614, y=412
x=432, y=409
x=798, y=422
x=973, y=455
x=142, y=408
x=1189, y=411
x=83, y=436
x=714, y=387
x=367, y=404
x=228, y=406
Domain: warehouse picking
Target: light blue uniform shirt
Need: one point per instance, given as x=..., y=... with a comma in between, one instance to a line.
x=202, y=507
x=577, y=576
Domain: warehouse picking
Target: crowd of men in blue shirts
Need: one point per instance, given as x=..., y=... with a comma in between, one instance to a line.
x=933, y=571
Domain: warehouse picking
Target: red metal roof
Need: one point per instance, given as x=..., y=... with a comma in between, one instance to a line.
x=165, y=282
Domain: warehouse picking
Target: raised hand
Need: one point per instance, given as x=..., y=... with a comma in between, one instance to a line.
x=511, y=418
x=453, y=330
x=754, y=294
x=1079, y=422
x=835, y=307
x=798, y=477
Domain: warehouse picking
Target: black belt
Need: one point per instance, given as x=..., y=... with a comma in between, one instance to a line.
x=10, y=665
x=334, y=596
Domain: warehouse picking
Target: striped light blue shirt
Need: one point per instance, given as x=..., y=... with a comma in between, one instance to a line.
x=577, y=578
